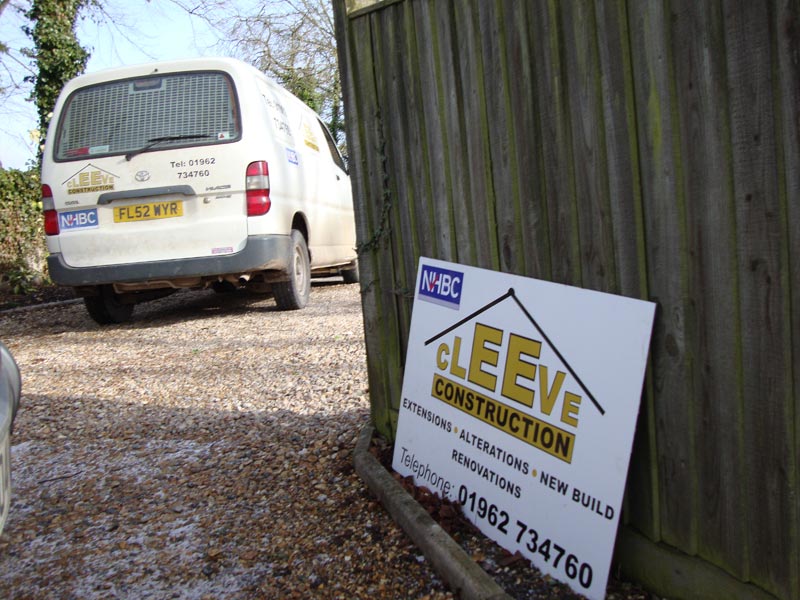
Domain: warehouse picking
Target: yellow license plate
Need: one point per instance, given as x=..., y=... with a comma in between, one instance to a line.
x=146, y=212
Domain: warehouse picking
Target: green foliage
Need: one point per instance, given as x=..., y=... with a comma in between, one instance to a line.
x=58, y=58
x=58, y=55
x=20, y=279
x=22, y=245
x=303, y=86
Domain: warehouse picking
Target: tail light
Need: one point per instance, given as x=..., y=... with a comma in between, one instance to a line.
x=257, y=188
x=49, y=207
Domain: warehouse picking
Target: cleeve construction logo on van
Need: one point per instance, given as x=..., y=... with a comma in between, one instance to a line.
x=519, y=401
x=90, y=179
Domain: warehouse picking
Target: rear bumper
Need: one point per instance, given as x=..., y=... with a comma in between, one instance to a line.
x=262, y=252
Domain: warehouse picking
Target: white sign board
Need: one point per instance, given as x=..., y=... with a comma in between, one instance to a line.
x=519, y=401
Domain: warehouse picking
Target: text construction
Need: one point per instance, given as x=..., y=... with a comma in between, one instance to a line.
x=520, y=399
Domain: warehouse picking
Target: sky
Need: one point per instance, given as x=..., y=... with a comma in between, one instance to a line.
x=146, y=31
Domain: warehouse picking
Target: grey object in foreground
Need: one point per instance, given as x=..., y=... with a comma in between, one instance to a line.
x=461, y=573
x=10, y=387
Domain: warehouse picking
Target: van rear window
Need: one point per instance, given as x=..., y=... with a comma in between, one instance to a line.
x=150, y=113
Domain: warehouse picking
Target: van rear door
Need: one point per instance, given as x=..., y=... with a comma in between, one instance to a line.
x=140, y=170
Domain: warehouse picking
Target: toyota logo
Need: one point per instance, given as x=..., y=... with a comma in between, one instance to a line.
x=142, y=176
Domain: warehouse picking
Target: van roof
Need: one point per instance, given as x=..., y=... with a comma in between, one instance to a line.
x=233, y=65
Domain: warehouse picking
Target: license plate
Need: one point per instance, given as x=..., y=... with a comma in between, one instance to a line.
x=149, y=211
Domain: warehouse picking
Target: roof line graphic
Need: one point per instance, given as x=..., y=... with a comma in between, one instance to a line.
x=86, y=167
x=511, y=294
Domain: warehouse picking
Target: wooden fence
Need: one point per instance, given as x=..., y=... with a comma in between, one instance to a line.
x=643, y=148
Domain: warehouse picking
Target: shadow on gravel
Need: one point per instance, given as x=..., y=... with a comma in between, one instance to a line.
x=186, y=305
x=203, y=304
x=120, y=498
x=198, y=305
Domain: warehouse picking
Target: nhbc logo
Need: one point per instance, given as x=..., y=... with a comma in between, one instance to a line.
x=78, y=219
x=441, y=286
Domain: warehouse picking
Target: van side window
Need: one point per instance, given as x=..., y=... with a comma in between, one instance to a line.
x=174, y=110
x=335, y=154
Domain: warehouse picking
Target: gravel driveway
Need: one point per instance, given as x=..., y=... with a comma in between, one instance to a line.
x=203, y=450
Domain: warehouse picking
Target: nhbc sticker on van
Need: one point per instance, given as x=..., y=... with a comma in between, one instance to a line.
x=520, y=401
x=78, y=219
x=291, y=156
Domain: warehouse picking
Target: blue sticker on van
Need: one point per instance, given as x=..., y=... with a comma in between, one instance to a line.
x=441, y=286
x=292, y=157
x=78, y=219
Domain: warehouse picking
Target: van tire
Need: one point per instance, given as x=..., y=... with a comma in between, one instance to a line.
x=350, y=274
x=106, y=308
x=293, y=294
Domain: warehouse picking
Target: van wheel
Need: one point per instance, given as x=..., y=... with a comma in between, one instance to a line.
x=350, y=274
x=106, y=308
x=293, y=294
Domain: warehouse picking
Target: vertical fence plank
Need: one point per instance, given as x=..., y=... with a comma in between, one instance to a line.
x=701, y=89
x=418, y=230
x=358, y=87
x=787, y=32
x=384, y=320
x=396, y=100
x=764, y=300
x=667, y=272
x=593, y=211
x=392, y=256
x=396, y=83
x=523, y=107
x=481, y=202
x=500, y=137
x=437, y=151
x=454, y=129
x=622, y=158
x=557, y=164
x=625, y=193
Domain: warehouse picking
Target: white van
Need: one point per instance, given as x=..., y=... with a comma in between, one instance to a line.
x=190, y=174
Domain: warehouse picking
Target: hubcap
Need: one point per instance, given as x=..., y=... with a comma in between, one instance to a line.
x=299, y=271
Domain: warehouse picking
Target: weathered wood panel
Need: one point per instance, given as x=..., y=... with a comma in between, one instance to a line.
x=786, y=26
x=700, y=82
x=650, y=149
x=480, y=199
x=556, y=142
x=593, y=206
x=442, y=227
x=367, y=151
x=397, y=102
x=452, y=130
x=625, y=194
x=526, y=144
x=764, y=298
x=500, y=135
x=661, y=167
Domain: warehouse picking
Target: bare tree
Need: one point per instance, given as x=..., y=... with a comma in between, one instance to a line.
x=294, y=42
x=38, y=51
x=14, y=66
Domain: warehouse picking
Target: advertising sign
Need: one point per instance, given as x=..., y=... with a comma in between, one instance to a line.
x=520, y=401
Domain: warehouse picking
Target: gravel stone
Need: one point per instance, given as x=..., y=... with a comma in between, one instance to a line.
x=202, y=450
